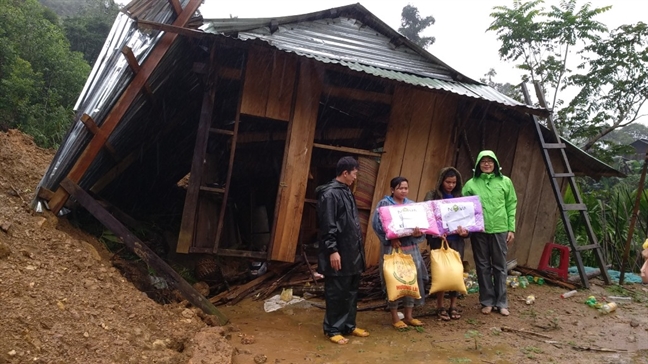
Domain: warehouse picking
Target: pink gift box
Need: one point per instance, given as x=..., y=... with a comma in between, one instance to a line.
x=466, y=212
x=400, y=220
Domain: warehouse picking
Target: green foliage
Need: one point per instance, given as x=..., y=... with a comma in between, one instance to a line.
x=610, y=203
x=40, y=77
x=88, y=29
x=412, y=25
x=628, y=134
x=611, y=79
x=87, y=35
x=70, y=8
x=615, y=86
x=475, y=335
x=540, y=40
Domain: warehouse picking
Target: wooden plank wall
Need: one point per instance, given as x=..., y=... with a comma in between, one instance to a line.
x=440, y=147
x=269, y=83
x=536, y=217
x=297, y=156
x=417, y=144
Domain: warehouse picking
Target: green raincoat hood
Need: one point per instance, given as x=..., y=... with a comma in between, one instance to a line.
x=486, y=153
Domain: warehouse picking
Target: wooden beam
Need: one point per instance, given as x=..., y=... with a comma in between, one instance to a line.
x=336, y=134
x=142, y=251
x=121, y=106
x=358, y=95
x=44, y=194
x=347, y=150
x=173, y=29
x=135, y=67
x=92, y=127
x=242, y=253
x=176, y=6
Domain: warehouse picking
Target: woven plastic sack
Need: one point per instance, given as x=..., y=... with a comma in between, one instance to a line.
x=399, y=272
x=447, y=270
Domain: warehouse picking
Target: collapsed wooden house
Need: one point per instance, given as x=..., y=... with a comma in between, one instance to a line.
x=257, y=111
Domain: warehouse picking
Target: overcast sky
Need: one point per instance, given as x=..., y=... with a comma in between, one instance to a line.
x=460, y=29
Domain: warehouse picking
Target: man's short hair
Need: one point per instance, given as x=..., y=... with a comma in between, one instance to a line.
x=346, y=164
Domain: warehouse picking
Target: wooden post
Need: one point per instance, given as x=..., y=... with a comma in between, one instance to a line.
x=297, y=158
x=142, y=251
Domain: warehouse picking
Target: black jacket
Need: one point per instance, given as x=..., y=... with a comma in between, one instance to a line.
x=339, y=230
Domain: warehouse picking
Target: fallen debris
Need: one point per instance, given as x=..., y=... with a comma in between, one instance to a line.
x=548, y=277
x=523, y=331
x=594, y=348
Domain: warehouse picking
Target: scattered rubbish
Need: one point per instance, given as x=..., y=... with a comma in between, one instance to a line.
x=470, y=279
x=619, y=299
x=275, y=303
x=591, y=301
x=568, y=294
x=524, y=282
x=158, y=282
x=286, y=294
x=258, y=268
x=401, y=316
x=537, y=280
x=530, y=299
x=608, y=307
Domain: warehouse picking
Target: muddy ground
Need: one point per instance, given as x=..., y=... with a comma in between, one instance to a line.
x=63, y=301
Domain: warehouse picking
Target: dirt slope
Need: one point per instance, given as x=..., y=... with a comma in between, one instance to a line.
x=61, y=301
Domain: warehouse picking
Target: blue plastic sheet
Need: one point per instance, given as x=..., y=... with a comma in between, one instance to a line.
x=614, y=275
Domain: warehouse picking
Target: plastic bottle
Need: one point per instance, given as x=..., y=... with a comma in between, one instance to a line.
x=620, y=299
x=524, y=282
x=539, y=280
x=515, y=283
x=530, y=299
x=568, y=294
x=608, y=307
x=591, y=301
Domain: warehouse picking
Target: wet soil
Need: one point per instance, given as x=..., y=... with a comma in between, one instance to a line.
x=566, y=331
x=63, y=301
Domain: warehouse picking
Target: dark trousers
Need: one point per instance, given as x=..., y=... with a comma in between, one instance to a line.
x=341, y=294
x=489, y=251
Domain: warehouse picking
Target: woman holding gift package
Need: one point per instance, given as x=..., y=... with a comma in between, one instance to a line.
x=448, y=186
x=499, y=203
x=408, y=245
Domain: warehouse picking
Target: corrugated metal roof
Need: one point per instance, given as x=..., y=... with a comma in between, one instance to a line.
x=106, y=82
x=351, y=36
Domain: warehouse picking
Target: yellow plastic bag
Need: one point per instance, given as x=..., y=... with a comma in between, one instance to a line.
x=399, y=272
x=447, y=270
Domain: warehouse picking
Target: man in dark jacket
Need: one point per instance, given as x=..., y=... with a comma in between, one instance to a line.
x=341, y=252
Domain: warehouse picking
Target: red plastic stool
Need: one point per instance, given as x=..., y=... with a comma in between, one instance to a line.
x=563, y=266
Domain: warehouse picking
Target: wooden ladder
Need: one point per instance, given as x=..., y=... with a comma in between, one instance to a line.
x=556, y=179
x=198, y=186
